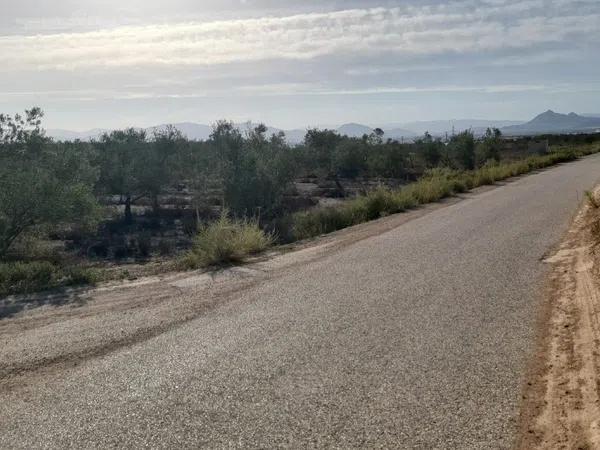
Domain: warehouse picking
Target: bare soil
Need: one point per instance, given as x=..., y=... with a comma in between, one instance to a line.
x=561, y=398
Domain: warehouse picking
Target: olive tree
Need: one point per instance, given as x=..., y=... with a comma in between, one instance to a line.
x=162, y=164
x=255, y=170
x=134, y=166
x=490, y=145
x=42, y=183
x=119, y=157
x=463, y=150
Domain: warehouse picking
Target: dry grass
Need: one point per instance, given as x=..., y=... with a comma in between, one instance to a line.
x=226, y=241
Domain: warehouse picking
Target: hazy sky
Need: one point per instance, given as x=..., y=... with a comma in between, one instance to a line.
x=113, y=63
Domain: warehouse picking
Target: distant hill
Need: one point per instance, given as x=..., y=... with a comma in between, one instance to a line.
x=441, y=127
x=68, y=135
x=399, y=134
x=358, y=130
x=194, y=131
x=295, y=136
x=354, y=130
x=548, y=122
x=552, y=122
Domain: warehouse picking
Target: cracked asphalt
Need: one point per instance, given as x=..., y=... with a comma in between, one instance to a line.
x=415, y=338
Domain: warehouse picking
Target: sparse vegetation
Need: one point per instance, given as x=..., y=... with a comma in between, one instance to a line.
x=435, y=185
x=130, y=198
x=27, y=277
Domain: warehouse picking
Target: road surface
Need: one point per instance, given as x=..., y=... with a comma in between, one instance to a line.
x=415, y=338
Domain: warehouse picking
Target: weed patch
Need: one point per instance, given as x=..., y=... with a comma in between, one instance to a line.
x=28, y=277
x=225, y=241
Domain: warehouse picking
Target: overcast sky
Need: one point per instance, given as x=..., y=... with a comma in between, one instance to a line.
x=114, y=63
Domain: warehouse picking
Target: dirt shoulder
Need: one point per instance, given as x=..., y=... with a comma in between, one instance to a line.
x=561, y=399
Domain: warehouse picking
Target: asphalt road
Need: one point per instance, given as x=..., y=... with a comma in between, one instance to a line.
x=415, y=338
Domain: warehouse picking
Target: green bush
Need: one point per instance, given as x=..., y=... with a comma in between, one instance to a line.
x=21, y=277
x=165, y=248
x=80, y=275
x=225, y=241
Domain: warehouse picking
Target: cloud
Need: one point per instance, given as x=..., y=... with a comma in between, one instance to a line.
x=108, y=61
x=398, y=31
x=303, y=90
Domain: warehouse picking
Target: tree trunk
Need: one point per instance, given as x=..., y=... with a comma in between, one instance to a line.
x=4, y=246
x=128, y=216
x=11, y=236
x=155, y=205
x=340, y=188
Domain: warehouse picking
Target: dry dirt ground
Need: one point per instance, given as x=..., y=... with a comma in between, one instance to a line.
x=561, y=400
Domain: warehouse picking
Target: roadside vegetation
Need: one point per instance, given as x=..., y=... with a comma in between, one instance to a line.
x=81, y=212
x=226, y=241
x=435, y=185
x=28, y=277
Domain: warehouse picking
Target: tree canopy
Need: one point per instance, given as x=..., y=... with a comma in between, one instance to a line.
x=40, y=184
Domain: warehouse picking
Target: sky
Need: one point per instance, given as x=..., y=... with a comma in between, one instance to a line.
x=292, y=64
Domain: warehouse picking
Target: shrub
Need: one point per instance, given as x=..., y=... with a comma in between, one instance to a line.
x=165, y=248
x=21, y=277
x=227, y=240
x=29, y=277
x=81, y=275
x=99, y=250
x=430, y=190
x=121, y=252
x=144, y=244
x=375, y=204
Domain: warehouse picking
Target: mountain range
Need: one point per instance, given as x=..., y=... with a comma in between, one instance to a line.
x=441, y=127
x=552, y=122
x=547, y=122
